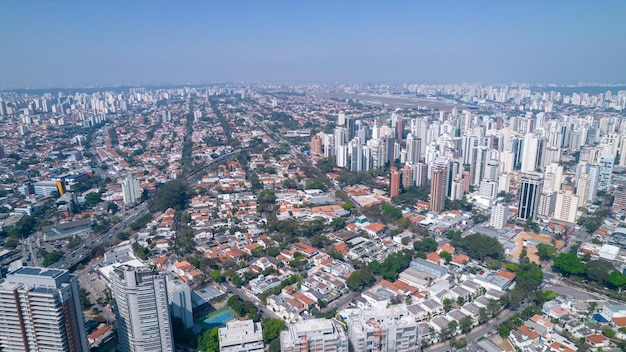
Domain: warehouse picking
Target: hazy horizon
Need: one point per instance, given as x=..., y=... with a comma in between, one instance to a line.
x=72, y=43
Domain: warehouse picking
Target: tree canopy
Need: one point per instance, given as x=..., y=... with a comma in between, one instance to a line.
x=569, y=263
x=479, y=246
x=174, y=194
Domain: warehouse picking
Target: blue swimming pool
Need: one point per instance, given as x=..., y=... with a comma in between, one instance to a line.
x=219, y=318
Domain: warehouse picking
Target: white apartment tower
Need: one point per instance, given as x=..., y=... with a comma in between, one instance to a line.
x=388, y=330
x=179, y=299
x=41, y=311
x=241, y=336
x=131, y=191
x=323, y=335
x=566, y=207
x=500, y=214
x=142, y=311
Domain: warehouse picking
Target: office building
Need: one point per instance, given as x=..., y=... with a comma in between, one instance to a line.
x=389, y=330
x=438, y=194
x=141, y=309
x=566, y=207
x=323, y=335
x=179, y=299
x=41, y=311
x=131, y=191
x=241, y=336
x=529, y=190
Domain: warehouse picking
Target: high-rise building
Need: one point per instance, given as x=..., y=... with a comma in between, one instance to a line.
x=341, y=155
x=547, y=204
x=619, y=202
x=388, y=330
x=2, y=153
x=407, y=176
x=413, y=149
x=566, y=206
x=41, y=311
x=500, y=214
x=605, y=172
x=529, y=190
x=457, y=189
x=323, y=335
x=439, y=180
x=394, y=184
x=131, y=191
x=530, y=152
x=241, y=336
x=582, y=190
x=142, y=311
x=179, y=299
x=316, y=145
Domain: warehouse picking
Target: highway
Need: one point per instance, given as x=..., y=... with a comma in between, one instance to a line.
x=79, y=254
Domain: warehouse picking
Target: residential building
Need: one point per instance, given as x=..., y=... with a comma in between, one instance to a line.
x=605, y=173
x=566, y=207
x=141, y=309
x=41, y=311
x=131, y=191
x=438, y=189
x=241, y=336
x=179, y=299
x=500, y=214
x=394, y=185
x=323, y=335
x=388, y=330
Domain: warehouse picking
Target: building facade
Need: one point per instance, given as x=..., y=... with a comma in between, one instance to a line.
x=323, y=335
x=141, y=308
x=241, y=336
x=41, y=311
x=389, y=330
x=530, y=188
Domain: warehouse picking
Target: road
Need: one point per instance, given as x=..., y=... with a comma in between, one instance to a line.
x=476, y=333
x=78, y=255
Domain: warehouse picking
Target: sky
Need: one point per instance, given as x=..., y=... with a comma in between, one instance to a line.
x=90, y=43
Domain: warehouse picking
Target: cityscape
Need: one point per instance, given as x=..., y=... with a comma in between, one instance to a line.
x=247, y=208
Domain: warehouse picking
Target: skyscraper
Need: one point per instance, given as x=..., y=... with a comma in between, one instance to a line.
x=131, y=191
x=41, y=311
x=439, y=180
x=407, y=176
x=530, y=150
x=530, y=188
x=179, y=299
x=413, y=149
x=141, y=308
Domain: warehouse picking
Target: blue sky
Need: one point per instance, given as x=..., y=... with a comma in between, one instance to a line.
x=54, y=43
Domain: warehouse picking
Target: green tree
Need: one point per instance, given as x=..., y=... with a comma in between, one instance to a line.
x=348, y=206
x=598, y=270
x=93, y=198
x=608, y=332
x=479, y=246
x=616, y=279
x=215, y=275
x=359, y=279
x=465, y=324
x=426, y=245
x=545, y=251
x=209, y=341
x=174, y=194
x=569, y=263
x=272, y=328
x=338, y=223
x=445, y=255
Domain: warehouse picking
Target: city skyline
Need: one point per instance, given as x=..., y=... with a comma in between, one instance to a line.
x=116, y=43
